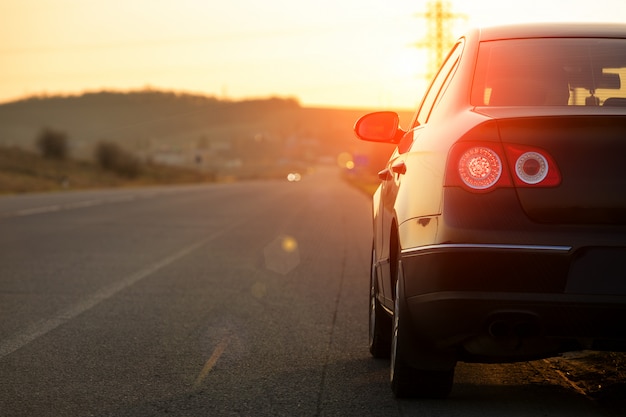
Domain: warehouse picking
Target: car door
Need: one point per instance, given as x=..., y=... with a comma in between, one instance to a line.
x=396, y=168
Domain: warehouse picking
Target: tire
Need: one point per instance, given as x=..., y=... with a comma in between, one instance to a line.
x=379, y=320
x=406, y=380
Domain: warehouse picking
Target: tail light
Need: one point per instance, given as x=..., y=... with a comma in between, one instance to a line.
x=482, y=167
x=532, y=167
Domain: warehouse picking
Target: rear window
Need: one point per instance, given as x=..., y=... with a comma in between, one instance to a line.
x=551, y=72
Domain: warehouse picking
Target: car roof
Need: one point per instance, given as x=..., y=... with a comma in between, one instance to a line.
x=553, y=30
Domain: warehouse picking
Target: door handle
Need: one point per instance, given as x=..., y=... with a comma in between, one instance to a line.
x=399, y=167
x=385, y=175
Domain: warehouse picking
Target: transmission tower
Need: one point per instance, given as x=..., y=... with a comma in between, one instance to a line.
x=438, y=38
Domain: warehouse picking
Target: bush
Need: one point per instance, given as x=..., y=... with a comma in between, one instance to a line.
x=112, y=157
x=53, y=144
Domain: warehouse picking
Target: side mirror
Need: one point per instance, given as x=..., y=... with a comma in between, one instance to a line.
x=379, y=127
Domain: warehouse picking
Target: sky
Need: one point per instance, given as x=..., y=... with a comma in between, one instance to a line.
x=325, y=53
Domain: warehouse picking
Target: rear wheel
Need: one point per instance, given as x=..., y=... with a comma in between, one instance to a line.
x=406, y=380
x=379, y=320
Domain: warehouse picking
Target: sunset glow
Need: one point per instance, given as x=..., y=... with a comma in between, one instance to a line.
x=331, y=53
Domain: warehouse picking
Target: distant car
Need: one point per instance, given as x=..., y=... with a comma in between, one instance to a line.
x=294, y=177
x=500, y=220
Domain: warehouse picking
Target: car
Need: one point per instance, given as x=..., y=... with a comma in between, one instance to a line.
x=499, y=225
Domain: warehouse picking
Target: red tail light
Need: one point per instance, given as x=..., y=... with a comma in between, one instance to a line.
x=484, y=166
x=532, y=167
x=480, y=167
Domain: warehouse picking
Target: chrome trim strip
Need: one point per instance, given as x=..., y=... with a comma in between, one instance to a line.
x=487, y=246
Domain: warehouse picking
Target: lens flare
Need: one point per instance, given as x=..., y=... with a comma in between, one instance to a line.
x=345, y=160
x=282, y=254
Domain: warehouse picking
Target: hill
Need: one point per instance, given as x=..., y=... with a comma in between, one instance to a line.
x=223, y=138
x=23, y=171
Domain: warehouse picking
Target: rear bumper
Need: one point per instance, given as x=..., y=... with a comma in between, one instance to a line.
x=493, y=302
x=486, y=267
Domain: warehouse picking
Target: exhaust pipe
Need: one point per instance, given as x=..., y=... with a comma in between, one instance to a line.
x=499, y=329
x=525, y=329
x=519, y=329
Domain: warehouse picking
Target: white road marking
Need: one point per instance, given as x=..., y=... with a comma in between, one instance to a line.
x=36, y=210
x=89, y=203
x=219, y=350
x=35, y=331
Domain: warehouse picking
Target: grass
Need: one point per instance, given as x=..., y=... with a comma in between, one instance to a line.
x=26, y=172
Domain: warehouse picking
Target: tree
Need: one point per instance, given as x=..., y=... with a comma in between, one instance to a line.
x=53, y=144
x=112, y=157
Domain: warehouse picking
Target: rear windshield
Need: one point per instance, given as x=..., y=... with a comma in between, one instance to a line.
x=551, y=72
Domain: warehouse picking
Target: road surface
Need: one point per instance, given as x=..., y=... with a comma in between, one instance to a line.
x=243, y=299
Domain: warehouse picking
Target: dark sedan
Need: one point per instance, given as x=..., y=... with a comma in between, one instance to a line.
x=500, y=220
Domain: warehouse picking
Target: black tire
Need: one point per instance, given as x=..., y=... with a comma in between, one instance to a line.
x=407, y=381
x=379, y=320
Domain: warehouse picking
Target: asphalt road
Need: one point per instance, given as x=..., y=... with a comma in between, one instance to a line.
x=244, y=299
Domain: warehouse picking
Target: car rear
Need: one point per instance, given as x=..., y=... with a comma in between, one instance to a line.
x=531, y=252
